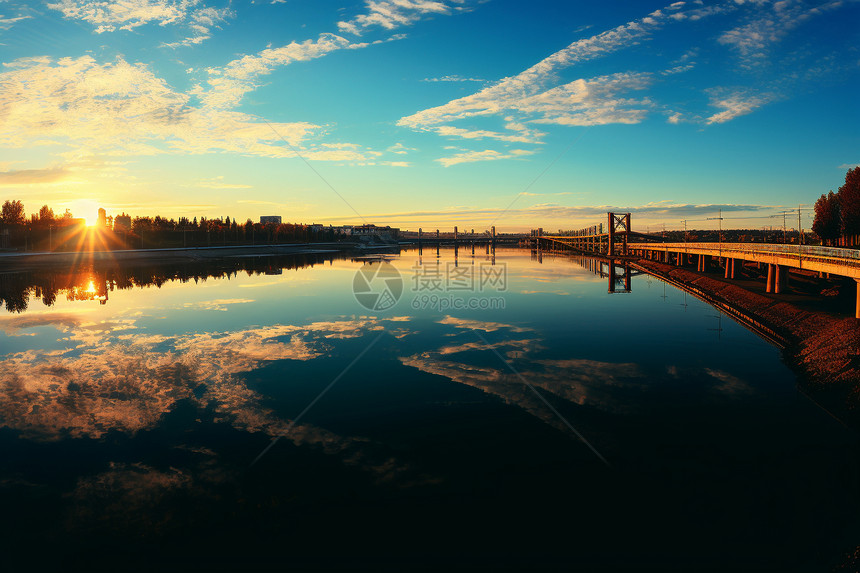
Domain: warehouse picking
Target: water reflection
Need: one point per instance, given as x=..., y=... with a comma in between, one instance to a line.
x=137, y=421
x=95, y=282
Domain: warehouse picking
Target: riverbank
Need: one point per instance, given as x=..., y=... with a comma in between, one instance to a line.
x=16, y=260
x=822, y=345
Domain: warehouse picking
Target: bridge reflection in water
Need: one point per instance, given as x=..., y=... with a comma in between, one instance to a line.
x=618, y=272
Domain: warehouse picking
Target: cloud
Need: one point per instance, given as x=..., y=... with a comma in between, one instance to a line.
x=32, y=176
x=227, y=85
x=131, y=14
x=536, y=95
x=454, y=78
x=524, y=135
x=220, y=304
x=62, y=321
x=119, y=108
x=769, y=24
x=485, y=155
x=6, y=23
x=486, y=326
x=218, y=183
x=529, y=91
x=567, y=216
x=400, y=149
x=390, y=14
x=735, y=103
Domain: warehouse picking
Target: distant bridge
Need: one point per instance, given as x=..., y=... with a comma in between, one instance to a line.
x=618, y=240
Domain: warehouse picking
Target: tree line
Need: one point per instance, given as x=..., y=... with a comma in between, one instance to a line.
x=837, y=215
x=46, y=231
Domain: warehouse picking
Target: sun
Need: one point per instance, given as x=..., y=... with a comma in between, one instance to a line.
x=86, y=209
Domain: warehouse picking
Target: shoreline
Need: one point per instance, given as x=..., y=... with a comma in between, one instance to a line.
x=822, y=347
x=14, y=260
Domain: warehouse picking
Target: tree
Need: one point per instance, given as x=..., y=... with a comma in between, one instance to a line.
x=827, y=220
x=849, y=203
x=12, y=213
x=46, y=215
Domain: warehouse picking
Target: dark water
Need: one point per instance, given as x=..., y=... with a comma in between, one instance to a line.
x=134, y=403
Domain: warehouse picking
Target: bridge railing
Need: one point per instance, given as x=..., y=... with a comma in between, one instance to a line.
x=844, y=256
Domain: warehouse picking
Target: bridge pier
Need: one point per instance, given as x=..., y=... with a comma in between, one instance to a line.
x=771, y=278
x=857, y=304
x=780, y=281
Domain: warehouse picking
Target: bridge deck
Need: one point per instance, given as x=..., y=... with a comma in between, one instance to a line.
x=843, y=262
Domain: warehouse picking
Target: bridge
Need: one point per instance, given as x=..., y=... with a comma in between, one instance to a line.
x=618, y=240
x=618, y=271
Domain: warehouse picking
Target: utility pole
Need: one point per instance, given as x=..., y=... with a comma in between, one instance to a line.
x=720, y=230
x=685, y=230
x=783, y=227
x=799, y=227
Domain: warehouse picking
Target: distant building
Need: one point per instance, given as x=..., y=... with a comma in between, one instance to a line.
x=102, y=220
x=315, y=228
x=266, y=219
x=122, y=223
x=374, y=230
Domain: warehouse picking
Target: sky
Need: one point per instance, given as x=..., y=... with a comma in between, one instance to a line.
x=430, y=113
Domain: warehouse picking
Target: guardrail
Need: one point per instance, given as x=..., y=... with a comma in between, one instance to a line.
x=797, y=250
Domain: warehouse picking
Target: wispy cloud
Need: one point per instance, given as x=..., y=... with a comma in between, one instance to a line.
x=6, y=23
x=532, y=95
x=454, y=78
x=767, y=25
x=390, y=14
x=735, y=103
x=400, y=149
x=485, y=155
x=228, y=84
x=219, y=183
x=130, y=14
x=32, y=176
x=569, y=216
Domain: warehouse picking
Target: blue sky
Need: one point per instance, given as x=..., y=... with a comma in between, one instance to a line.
x=429, y=112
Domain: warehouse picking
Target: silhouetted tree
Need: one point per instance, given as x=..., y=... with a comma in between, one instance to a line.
x=849, y=203
x=46, y=214
x=13, y=213
x=827, y=220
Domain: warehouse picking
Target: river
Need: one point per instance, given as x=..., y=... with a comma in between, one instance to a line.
x=395, y=412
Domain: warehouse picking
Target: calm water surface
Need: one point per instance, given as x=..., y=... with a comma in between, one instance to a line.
x=134, y=402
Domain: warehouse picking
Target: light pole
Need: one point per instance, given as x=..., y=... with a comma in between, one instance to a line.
x=720, y=229
x=799, y=227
